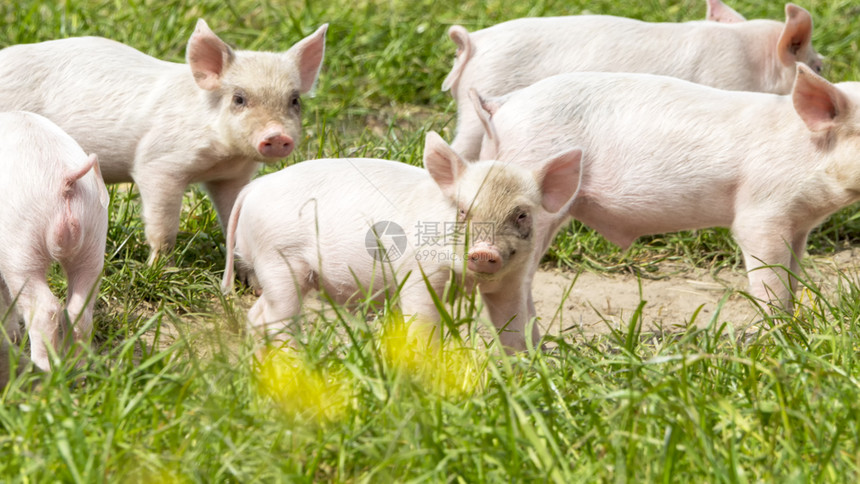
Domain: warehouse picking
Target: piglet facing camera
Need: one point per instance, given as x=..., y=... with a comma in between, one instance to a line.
x=346, y=226
x=54, y=209
x=166, y=125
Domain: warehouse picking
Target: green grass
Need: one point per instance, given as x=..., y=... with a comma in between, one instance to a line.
x=168, y=394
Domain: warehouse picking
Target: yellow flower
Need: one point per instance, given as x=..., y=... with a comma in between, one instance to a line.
x=449, y=368
x=301, y=392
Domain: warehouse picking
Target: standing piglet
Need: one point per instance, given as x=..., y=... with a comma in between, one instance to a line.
x=756, y=55
x=164, y=125
x=54, y=209
x=348, y=226
x=664, y=154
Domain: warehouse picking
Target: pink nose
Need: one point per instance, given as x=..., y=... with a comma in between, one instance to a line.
x=276, y=146
x=485, y=259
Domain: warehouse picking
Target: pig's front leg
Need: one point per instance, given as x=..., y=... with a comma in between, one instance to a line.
x=512, y=305
x=161, y=197
x=223, y=193
x=767, y=247
x=531, y=300
x=798, y=248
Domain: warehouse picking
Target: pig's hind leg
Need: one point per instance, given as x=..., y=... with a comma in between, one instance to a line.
x=284, y=282
x=84, y=276
x=41, y=310
x=418, y=306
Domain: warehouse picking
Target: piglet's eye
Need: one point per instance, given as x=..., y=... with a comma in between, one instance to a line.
x=295, y=102
x=523, y=223
x=239, y=100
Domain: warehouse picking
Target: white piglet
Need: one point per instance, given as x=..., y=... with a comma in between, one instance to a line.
x=54, y=209
x=755, y=55
x=352, y=225
x=165, y=125
x=662, y=155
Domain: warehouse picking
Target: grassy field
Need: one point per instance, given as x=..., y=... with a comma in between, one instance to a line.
x=696, y=405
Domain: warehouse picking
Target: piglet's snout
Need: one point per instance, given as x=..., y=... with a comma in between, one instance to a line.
x=275, y=144
x=484, y=258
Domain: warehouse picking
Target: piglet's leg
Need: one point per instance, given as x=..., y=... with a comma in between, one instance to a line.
x=84, y=278
x=43, y=316
x=417, y=304
x=162, y=205
x=284, y=283
x=766, y=243
x=510, y=312
x=223, y=194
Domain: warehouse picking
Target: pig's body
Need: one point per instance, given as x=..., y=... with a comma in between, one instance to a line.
x=164, y=125
x=327, y=249
x=117, y=120
x=663, y=155
x=306, y=227
x=54, y=209
x=756, y=55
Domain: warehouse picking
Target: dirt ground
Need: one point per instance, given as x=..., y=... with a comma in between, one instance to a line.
x=590, y=303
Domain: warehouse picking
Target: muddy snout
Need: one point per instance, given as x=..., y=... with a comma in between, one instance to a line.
x=485, y=258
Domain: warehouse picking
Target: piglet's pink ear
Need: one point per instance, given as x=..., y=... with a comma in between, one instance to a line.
x=796, y=35
x=208, y=56
x=309, y=54
x=443, y=163
x=722, y=13
x=819, y=103
x=559, y=179
x=460, y=36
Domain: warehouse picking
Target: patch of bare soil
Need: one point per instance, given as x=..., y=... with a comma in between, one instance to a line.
x=590, y=303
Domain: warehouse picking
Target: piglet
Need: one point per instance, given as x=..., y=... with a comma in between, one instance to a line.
x=54, y=209
x=664, y=154
x=164, y=125
x=356, y=226
x=756, y=55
